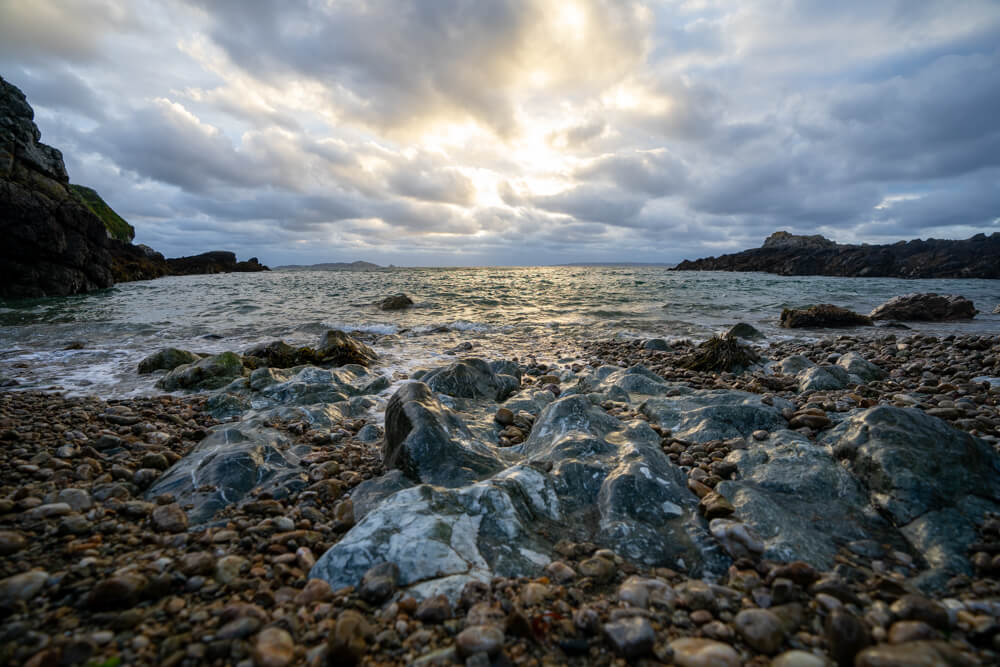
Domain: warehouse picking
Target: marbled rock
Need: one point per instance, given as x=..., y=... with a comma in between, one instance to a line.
x=925, y=307
x=714, y=414
x=208, y=373
x=227, y=465
x=470, y=378
x=897, y=454
x=795, y=495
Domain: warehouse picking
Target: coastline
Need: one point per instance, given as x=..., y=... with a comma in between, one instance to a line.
x=126, y=576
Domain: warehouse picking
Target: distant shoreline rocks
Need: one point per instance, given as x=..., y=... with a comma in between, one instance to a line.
x=794, y=255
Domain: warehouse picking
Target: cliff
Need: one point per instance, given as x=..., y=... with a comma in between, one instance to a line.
x=62, y=239
x=53, y=244
x=790, y=255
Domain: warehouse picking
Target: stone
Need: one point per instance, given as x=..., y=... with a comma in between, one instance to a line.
x=379, y=583
x=698, y=652
x=169, y=518
x=823, y=378
x=435, y=609
x=21, y=587
x=794, y=364
x=796, y=658
x=167, y=359
x=11, y=542
x=657, y=344
x=315, y=590
x=395, y=302
x=846, y=635
x=823, y=315
x=736, y=538
x=901, y=632
x=239, y=628
x=78, y=499
x=229, y=569
x=475, y=639
x=913, y=654
x=641, y=592
x=913, y=607
x=864, y=370
x=208, y=373
x=715, y=506
x=274, y=647
x=117, y=592
x=925, y=307
x=348, y=642
x=504, y=417
x=631, y=637
x=761, y=629
x=599, y=569
x=560, y=572
x=704, y=415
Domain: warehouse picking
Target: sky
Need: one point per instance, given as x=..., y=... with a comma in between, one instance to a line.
x=518, y=132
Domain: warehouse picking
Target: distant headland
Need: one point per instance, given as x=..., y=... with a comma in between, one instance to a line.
x=792, y=255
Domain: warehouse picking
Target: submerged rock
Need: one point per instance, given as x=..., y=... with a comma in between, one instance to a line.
x=395, y=302
x=823, y=315
x=335, y=348
x=925, y=307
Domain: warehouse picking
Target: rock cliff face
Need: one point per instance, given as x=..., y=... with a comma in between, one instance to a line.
x=791, y=255
x=62, y=239
x=53, y=244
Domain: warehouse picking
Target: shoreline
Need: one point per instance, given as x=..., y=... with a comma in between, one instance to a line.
x=127, y=576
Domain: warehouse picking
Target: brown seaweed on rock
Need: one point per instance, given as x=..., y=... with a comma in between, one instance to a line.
x=823, y=315
x=720, y=354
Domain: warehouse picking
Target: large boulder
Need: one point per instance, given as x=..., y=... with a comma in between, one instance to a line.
x=208, y=373
x=933, y=481
x=581, y=475
x=715, y=414
x=823, y=315
x=53, y=244
x=925, y=307
x=471, y=378
x=335, y=348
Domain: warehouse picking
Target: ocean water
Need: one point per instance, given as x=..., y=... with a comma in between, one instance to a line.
x=523, y=312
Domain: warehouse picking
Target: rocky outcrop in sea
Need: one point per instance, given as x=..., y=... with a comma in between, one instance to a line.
x=791, y=255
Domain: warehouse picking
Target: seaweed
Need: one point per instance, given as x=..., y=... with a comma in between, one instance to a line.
x=719, y=354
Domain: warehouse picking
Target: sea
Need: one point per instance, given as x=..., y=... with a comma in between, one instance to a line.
x=92, y=343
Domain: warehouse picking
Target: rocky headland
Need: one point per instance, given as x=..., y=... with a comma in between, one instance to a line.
x=722, y=503
x=791, y=255
x=62, y=238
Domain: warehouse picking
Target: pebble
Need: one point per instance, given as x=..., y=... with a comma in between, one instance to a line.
x=169, y=518
x=761, y=629
x=379, y=583
x=348, y=641
x=918, y=608
x=906, y=631
x=800, y=659
x=229, y=569
x=698, y=652
x=560, y=572
x=597, y=568
x=504, y=417
x=118, y=592
x=631, y=637
x=846, y=635
x=11, y=542
x=435, y=609
x=21, y=587
x=240, y=628
x=912, y=654
x=475, y=639
x=274, y=647
x=78, y=499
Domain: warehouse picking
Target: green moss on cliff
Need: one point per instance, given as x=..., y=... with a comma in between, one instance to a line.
x=117, y=227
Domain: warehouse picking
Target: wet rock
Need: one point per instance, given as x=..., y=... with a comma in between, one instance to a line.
x=861, y=368
x=745, y=331
x=657, y=344
x=823, y=315
x=208, y=373
x=698, y=652
x=925, y=307
x=274, y=647
x=167, y=359
x=630, y=637
x=702, y=416
x=169, y=518
x=471, y=378
x=395, y=302
x=761, y=629
x=823, y=378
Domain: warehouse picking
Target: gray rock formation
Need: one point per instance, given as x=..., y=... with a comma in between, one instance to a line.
x=470, y=378
x=208, y=373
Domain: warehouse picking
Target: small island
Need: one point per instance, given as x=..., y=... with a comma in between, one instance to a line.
x=792, y=255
